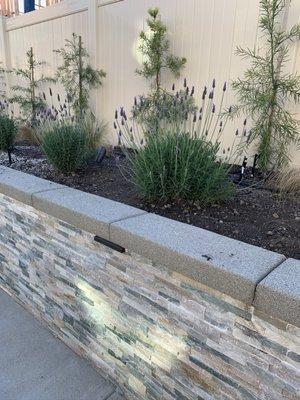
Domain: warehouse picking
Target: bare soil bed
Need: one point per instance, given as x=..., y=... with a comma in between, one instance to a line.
x=255, y=214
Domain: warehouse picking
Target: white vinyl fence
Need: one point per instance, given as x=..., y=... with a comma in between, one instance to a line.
x=206, y=32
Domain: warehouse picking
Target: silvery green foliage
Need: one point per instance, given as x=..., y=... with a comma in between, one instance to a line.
x=66, y=146
x=180, y=158
x=8, y=131
x=265, y=89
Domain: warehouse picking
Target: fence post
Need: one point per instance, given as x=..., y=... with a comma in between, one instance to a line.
x=93, y=49
x=6, y=58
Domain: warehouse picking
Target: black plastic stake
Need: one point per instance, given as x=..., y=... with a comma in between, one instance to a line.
x=109, y=244
x=242, y=172
x=254, y=164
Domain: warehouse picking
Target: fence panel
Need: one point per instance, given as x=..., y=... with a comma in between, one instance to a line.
x=205, y=32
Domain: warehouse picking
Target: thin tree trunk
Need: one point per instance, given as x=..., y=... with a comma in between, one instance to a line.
x=80, y=78
x=32, y=84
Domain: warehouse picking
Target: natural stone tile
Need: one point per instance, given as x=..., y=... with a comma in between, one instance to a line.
x=158, y=333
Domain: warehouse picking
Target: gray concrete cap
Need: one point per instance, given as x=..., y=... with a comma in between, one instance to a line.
x=21, y=186
x=278, y=294
x=225, y=264
x=83, y=210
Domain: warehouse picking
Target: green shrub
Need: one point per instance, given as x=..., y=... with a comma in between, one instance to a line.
x=8, y=132
x=266, y=90
x=178, y=166
x=182, y=157
x=66, y=147
x=163, y=108
x=93, y=130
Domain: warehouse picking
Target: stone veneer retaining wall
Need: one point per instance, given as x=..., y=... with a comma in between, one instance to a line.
x=182, y=314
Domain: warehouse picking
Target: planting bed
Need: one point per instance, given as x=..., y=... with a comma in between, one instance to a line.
x=255, y=215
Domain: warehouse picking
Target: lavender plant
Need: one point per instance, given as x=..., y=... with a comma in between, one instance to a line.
x=77, y=75
x=8, y=131
x=26, y=96
x=91, y=127
x=65, y=146
x=266, y=88
x=182, y=159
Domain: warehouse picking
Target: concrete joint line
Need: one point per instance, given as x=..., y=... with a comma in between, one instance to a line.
x=43, y=191
x=123, y=219
x=264, y=277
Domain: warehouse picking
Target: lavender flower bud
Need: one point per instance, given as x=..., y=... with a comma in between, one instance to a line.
x=224, y=87
x=214, y=83
x=116, y=114
x=185, y=83
x=173, y=86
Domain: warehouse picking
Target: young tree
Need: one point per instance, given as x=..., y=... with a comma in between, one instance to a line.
x=155, y=48
x=26, y=96
x=266, y=88
x=157, y=104
x=77, y=75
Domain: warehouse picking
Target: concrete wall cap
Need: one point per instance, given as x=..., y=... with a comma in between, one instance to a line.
x=224, y=264
x=83, y=210
x=21, y=186
x=278, y=294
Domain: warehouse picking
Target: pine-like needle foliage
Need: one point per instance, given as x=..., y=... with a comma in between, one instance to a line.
x=26, y=96
x=266, y=88
x=155, y=48
x=77, y=75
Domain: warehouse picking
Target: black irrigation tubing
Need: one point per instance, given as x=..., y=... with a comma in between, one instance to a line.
x=256, y=184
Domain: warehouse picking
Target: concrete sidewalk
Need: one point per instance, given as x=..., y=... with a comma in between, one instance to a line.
x=34, y=365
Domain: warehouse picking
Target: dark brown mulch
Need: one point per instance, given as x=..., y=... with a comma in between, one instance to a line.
x=255, y=215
